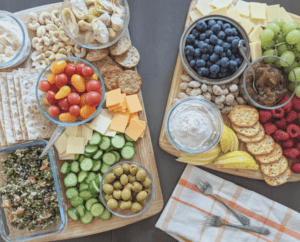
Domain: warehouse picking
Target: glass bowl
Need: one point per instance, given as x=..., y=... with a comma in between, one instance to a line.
x=127, y=213
x=194, y=74
x=96, y=45
x=40, y=96
x=217, y=125
x=9, y=233
x=24, y=51
x=253, y=102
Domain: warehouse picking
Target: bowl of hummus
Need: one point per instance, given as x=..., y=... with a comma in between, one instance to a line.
x=194, y=125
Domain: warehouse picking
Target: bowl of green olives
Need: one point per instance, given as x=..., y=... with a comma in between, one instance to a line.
x=127, y=189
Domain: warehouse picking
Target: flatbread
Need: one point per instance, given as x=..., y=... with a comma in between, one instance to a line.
x=275, y=169
x=279, y=180
x=130, y=82
x=263, y=147
x=96, y=55
x=248, y=132
x=129, y=59
x=244, y=116
x=256, y=138
x=120, y=47
x=272, y=157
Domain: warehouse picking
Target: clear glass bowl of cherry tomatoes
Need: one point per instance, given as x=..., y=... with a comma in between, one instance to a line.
x=70, y=91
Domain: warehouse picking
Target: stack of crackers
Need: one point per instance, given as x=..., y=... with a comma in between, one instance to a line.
x=245, y=122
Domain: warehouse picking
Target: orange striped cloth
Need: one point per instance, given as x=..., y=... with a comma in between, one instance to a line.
x=187, y=207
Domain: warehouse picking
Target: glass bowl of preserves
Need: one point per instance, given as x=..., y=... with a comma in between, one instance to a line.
x=270, y=84
x=127, y=189
x=95, y=24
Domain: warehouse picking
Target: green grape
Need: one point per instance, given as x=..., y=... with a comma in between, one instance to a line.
x=298, y=91
x=281, y=49
x=288, y=68
x=266, y=35
x=298, y=25
x=280, y=37
x=296, y=53
x=277, y=63
x=293, y=37
x=298, y=46
x=274, y=27
x=268, y=45
x=289, y=57
x=292, y=77
x=291, y=86
x=269, y=59
x=280, y=22
x=290, y=26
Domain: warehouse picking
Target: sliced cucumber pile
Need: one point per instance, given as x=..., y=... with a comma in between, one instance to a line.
x=84, y=174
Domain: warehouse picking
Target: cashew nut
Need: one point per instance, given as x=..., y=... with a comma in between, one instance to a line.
x=43, y=16
x=62, y=51
x=54, y=35
x=58, y=56
x=55, y=17
x=45, y=48
x=34, y=26
x=35, y=40
x=41, y=31
x=80, y=52
x=62, y=35
x=39, y=47
x=52, y=27
x=47, y=61
x=70, y=51
x=46, y=40
x=50, y=55
x=41, y=57
x=33, y=17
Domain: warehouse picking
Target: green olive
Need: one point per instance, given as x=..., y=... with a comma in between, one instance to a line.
x=107, y=197
x=108, y=189
x=117, y=194
x=141, y=175
x=146, y=183
x=147, y=190
x=131, y=178
x=137, y=187
x=118, y=170
x=124, y=179
x=117, y=185
x=125, y=205
x=110, y=177
x=126, y=194
x=126, y=168
x=141, y=196
x=112, y=204
x=136, y=207
x=128, y=186
x=133, y=169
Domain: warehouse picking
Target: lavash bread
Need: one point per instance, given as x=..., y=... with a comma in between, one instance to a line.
x=244, y=116
x=275, y=169
x=249, y=131
x=279, y=180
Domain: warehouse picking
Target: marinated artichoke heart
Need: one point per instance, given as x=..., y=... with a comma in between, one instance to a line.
x=106, y=4
x=118, y=9
x=89, y=2
x=84, y=26
x=89, y=37
x=100, y=31
x=94, y=12
x=117, y=22
x=70, y=22
x=99, y=7
x=79, y=9
x=105, y=18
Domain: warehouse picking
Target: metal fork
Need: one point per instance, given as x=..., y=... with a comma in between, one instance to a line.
x=216, y=221
x=207, y=189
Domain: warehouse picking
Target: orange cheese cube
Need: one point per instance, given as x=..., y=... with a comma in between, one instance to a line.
x=135, y=129
x=114, y=107
x=133, y=103
x=133, y=116
x=119, y=123
x=113, y=97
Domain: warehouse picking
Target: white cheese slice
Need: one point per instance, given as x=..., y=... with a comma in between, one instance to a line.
x=103, y=112
x=262, y=23
x=273, y=12
x=221, y=3
x=79, y=132
x=102, y=124
x=204, y=7
x=258, y=11
x=195, y=14
x=247, y=25
x=71, y=130
x=231, y=6
x=61, y=143
x=86, y=133
x=234, y=13
x=75, y=145
x=222, y=11
x=254, y=36
x=285, y=16
x=255, y=50
x=243, y=8
x=110, y=133
x=66, y=156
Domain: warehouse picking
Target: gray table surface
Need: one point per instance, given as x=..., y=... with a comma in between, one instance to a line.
x=156, y=27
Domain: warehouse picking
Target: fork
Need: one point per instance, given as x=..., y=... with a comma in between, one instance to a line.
x=207, y=189
x=217, y=221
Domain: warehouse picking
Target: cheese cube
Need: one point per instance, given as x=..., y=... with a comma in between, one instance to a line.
x=221, y=3
x=71, y=131
x=110, y=133
x=254, y=36
x=273, y=12
x=119, y=123
x=67, y=157
x=255, y=50
x=243, y=8
x=222, y=11
x=135, y=129
x=102, y=123
x=234, y=13
x=204, y=7
x=113, y=97
x=247, y=25
x=61, y=143
x=86, y=133
x=133, y=103
x=285, y=16
x=75, y=145
x=195, y=14
x=258, y=11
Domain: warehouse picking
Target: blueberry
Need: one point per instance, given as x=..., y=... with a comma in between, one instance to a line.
x=211, y=23
x=190, y=39
x=204, y=48
x=234, y=50
x=189, y=58
x=232, y=57
x=218, y=62
x=243, y=41
x=210, y=49
x=189, y=50
x=237, y=37
x=221, y=35
x=202, y=36
x=235, y=32
x=216, y=28
x=197, y=52
x=214, y=58
x=208, y=63
x=218, y=49
x=192, y=63
x=196, y=43
x=196, y=33
x=226, y=26
x=203, y=71
x=223, y=55
x=220, y=22
x=201, y=26
x=207, y=41
x=200, y=63
x=235, y=43
x=213, y=39
x=213, y=76
x=232, y=64
x=226, y=46
x=224, y=69
x=229, y=39
x=235, y=69
x=208, y=33
x=220, y=42
x=228, y=32
x=228, y=53
x=224, y=62
x=221, y=75
x=238, y=61
x=205, y=57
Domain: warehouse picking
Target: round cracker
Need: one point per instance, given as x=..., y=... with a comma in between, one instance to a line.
x=270, y=158
x=275, y=169
x=99, y=64
x=129, y=59
x=110, y=79
x=112, y=66
x=248, y=132
x=130, y=82
x=120, y=47
x=263, y=147
x=244, y=116
x=279, y=180
x=256, y=138
x=96, y=55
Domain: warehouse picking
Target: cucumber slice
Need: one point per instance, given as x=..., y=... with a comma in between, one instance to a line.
x=75, y=201
x=106, y=215
x=104, y=168
x=81, y=210
x=98, y=179
x=81, y=158
x=117, y=154
x=98, y=155
x=72, y=192
x=83, y=186
x=97, y=209
x=89, y=203
x=118, y=141
x=128, y=152
x=76, y=156
x=87, y=218
x=91, y=176
x=73, y=214
x=86, y=164
x=94, y=195
x=97, y=165
x=105, y=144
x=85, y=195
x=75, y=166
x=109, y=158
x=82, y=176
x=93, y=187
x=65, y=168
x=128, y=138
x=128, y=143
x=70, y=180
x=90, y=149
x=95, y=139
x=87, y=155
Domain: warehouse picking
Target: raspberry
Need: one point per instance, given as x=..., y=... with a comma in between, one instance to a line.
x=270, y=128
x=292, y=116
x=264, y=116
x=293, y=130
x=298, y=115
x=296, y=103
x=278, y=113
x=281, y=124
x=291, y=153
x=289, y=105
x=298, y=145
x=288, y=143
x=280, y=135
x=295, y=167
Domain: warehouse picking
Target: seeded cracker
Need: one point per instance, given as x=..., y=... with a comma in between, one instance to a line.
x=96, y=55
x=112, y=66
x=248, y=132
x=256, y=138
x=263, y=147
x=101, y=63
x=279, y=180
x=275, y=169
x=270, y=158
x=244, y=116
x=129, y=59
x=130, y=82
x=120, y=47
x=110, y=79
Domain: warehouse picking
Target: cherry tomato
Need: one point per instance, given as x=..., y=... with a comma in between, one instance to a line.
x=93, y=85
x=58, y=66
x=54, y=88
x=70, y=69
x=63, y=104
x=73, y=90
x=87, y=71
x=74, y=98
x=61, y=79
x=44, y=86
x=82, y=100
x=53, y=110
x=93, y=98
x=51, y=97
x=79, y=68
x=74, y=110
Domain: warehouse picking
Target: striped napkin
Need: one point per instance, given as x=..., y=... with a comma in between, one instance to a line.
x=187, y=207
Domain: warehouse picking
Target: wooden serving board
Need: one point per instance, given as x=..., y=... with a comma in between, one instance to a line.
x=168, y=147
x=144, y=156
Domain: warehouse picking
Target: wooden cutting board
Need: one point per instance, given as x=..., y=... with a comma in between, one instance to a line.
x=144, y=156
x=168, y=147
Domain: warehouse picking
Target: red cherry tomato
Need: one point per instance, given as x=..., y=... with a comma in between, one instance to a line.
x=44, y=85
x=73, y=90
x=87, y=71
x=63, y=104
x=61, y=79
x=74, y=110
x=53, y=110
x=79, y=68
x=51, y=97
x=54, y=88
x=70, y=69
x=93, y=85
x=82, y=99
x=74, y=98
x=93, y=98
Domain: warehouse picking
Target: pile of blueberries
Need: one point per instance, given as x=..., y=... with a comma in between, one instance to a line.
x=212, y=49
